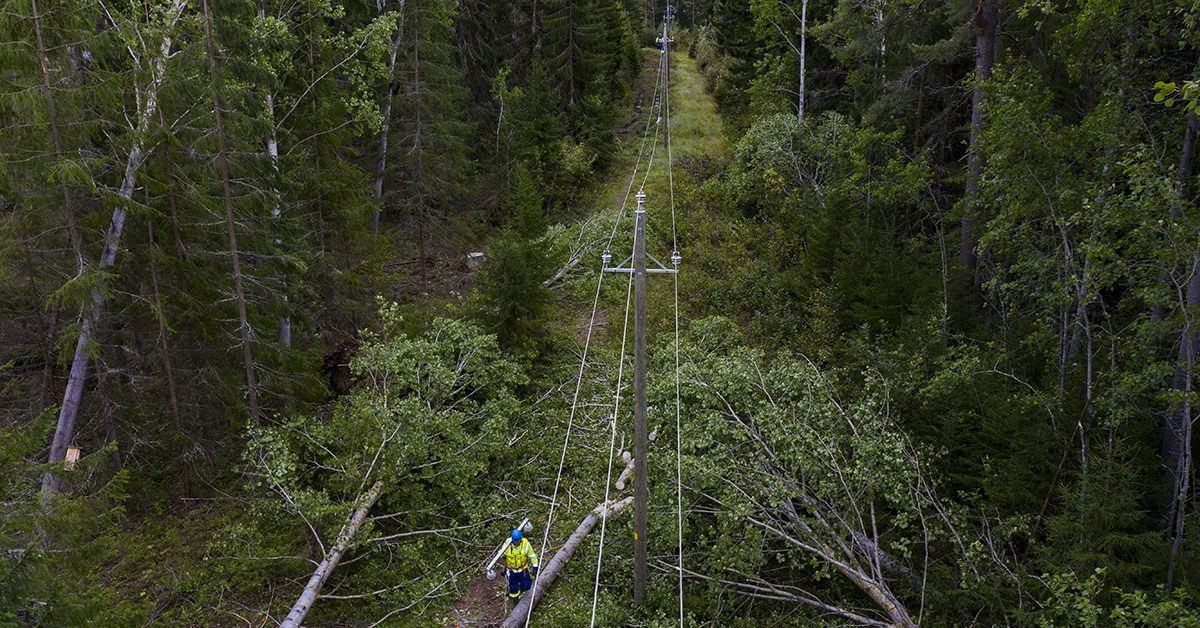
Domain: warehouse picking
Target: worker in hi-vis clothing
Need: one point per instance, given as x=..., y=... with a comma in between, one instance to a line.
x=519, y=558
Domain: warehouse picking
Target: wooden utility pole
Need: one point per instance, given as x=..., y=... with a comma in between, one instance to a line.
x=641, y=488
x=641, y=492
x=668, y=18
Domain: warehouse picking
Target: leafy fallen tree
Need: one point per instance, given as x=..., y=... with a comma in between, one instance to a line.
x=432, y=416
x=809, y=482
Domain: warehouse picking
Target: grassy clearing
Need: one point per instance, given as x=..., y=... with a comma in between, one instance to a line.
x=695, y=127
x=696, y=130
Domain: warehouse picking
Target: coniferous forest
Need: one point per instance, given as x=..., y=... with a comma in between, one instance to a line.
x=302, y=311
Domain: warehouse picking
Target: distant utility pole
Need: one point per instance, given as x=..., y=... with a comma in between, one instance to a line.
x=668, y=19
x=641, y=489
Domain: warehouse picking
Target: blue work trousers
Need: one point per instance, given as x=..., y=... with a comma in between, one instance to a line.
x=519, y=582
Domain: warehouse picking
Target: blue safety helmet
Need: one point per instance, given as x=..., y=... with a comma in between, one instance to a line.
x=516, y=535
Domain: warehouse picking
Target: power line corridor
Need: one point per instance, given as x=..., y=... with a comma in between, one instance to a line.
x=658, y=124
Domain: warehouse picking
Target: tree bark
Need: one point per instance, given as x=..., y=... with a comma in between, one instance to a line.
x=550, y=572
x=1177, y=432
x=842, y=558
x=313, y=588
x=180, y=251
x=387, y=120
x=1188, y=345
x=162, y=330
x=110, y=421
x=803, y=43
x=239, y=293
x=985, y=19
x=72, y=232
x=147, y=104
x=420, y=205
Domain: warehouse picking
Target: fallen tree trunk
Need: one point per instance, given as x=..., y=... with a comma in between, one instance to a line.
x=304, y=604
x=547, y=575
x=562, y=272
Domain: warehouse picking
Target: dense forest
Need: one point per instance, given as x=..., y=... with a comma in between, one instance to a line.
x=928, y=358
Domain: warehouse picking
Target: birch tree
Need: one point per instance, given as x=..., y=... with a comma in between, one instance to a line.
x=381, y=167
x=807, y=481
x=149, y=51
x=430, y=420
x=773, y=16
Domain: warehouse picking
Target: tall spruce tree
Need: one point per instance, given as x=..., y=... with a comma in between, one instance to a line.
x=430, y=166
x=44, y=181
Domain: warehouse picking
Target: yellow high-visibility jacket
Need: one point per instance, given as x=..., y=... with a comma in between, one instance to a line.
x=520, y=555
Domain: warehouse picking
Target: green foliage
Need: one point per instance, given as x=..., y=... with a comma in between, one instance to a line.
x=32, y=593
x=1034, y=401
x=1086, y=603
x=451, y=384
x=831, y=200
x=1105, y=524
x=713, y=63
x=512, y=299
x=800, y=468
x=431, y=420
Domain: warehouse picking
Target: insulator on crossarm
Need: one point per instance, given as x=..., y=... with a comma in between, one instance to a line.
x=676, y=258
x=606, y=257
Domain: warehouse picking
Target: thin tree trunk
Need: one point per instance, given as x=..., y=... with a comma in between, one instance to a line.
x=110, y=421
x=986, y=16
x=162, y=330
x=918, y=112
x=1188, y=345
x=180, y=251
x=32, y=271
x=147, y=103
x=48, y=359
x=317, y=580
x=72, y=232
x=319, y=196
x=239, y=294
x=1176, y=449
x=420, y=205
x=285, y=321
x=387, y=121
x=803, y=56
x=1188, y=156
x=68, y=206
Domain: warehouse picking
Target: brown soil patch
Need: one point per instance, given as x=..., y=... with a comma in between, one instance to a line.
x=483, y=605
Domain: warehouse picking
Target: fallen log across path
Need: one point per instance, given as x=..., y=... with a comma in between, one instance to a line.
x=345, y=539
x=550, y=572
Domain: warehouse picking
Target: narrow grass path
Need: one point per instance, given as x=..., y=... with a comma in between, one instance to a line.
x=696, y=129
